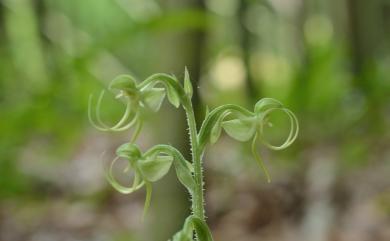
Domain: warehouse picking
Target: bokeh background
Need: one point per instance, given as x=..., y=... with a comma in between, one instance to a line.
x=328, y=61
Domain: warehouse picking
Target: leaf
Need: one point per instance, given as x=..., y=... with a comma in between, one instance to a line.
x=240, y=129
x=187, y=84
x=153, y=98
x=216, y=129
x=194, y=223
x=202, y=230
x=186, y=234
x=155, y=167
x=182, y=236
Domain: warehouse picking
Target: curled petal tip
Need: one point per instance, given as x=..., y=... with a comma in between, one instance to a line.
x=137, y=183
x=294, y=129
x=123, y=124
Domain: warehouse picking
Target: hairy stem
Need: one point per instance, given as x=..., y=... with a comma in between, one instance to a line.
x=197, y=198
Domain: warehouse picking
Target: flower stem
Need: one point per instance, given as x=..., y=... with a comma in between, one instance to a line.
x=197, y=199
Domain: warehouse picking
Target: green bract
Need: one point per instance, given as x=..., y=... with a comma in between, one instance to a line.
x=153, y=164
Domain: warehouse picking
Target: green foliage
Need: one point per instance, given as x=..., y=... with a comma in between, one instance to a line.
x=152, y=165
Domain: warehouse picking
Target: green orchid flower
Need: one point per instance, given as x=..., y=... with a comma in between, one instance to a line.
x=150, y=167
x=246, y=125
x=135, y=98
x=139, y=97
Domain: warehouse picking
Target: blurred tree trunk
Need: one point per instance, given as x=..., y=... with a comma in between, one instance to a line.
x=196, y=51
x=174, y=205
x=299, y=91
x=366, y=29
x=246, y=46
x=320, y=180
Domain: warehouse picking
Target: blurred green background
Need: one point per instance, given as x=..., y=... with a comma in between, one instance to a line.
x=328, y=61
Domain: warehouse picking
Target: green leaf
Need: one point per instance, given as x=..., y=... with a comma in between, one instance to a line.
x=202, y=230
x=153, y=168
x=216, y=130
x=187, y=84
x=153, y=98
x=186, y=234
x=193, y=223
x=182, y=236
x=240, y=129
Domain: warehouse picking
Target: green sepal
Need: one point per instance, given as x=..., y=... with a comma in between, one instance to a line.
x=172, y=95
x=174, y=90
x=187, y=84
x=124, y=82
x=184, y=174
x=240, y=129
x=155, y=167
x=212, y=118
x=129, y=151
x=153, y=98
x=267, y=103
x=216, y=130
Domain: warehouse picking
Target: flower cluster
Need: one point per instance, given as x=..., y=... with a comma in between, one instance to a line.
x=153, y=164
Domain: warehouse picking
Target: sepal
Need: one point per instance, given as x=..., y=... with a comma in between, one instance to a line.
x=240, y=129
